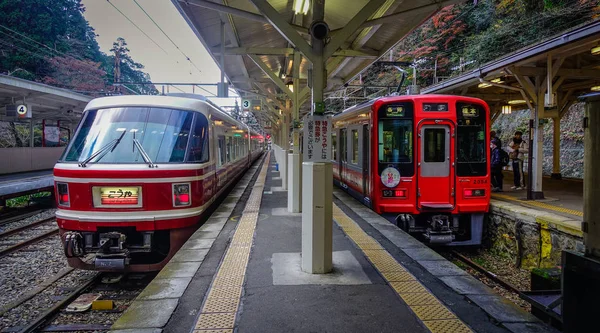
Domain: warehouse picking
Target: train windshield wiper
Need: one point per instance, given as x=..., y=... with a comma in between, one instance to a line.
x=145, y=156
x=104, y=150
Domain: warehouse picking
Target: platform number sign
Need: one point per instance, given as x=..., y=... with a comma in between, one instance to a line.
x=317, y=139
x=246, y=104
x=23, y=111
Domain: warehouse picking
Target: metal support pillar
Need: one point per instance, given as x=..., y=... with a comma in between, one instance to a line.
x=537, y=154
x=317, y=210
x=556, y=149
x=591, y=177
x=295, y=159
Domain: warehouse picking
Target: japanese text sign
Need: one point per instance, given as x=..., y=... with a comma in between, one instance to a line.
x=317, y=139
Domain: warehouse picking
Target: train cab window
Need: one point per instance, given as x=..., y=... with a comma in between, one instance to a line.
x=434, y=145
x=199, y=151
x=354, y=147
x=395, y=141
x=334, y=146
x=471, y=148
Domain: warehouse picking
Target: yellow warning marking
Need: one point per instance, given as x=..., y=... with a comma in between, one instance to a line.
x=222, y=302
x=436, y=317
x=538, y=204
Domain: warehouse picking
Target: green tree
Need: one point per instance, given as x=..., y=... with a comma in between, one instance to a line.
x=122, y=67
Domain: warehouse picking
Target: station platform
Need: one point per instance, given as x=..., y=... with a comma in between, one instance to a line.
x=563, y=197
x=241, y=272
x=12, y=185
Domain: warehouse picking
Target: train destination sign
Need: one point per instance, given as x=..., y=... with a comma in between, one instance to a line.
x=119, y=195
x=394, y=111
x=469, y=112
x=317, y=139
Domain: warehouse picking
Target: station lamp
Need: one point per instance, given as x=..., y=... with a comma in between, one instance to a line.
x=301, y=6
x=595, y=88
x=596, y=50
x=506, y=109
x=289, y=83
x=517, y=101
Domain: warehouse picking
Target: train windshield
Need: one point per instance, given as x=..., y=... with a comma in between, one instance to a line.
x=470, y=143
x=110, y=135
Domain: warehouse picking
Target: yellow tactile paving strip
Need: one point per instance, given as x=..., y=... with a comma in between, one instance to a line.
x=539, y=205
x=436, y=317
x=221, y=305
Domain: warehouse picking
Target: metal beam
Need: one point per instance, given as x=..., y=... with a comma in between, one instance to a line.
x=350, y=28
x=235, y=11
x=394, y=18
x=572, y=73
x=285, y=29
x=276, y=79
x=287, y=51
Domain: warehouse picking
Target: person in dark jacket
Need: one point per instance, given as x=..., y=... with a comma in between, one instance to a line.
x=496, y=165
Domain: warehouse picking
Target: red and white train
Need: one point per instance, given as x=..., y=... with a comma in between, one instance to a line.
x=423, y=161
x=140, y=173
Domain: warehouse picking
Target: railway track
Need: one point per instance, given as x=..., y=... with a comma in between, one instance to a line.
x=17, y=215
x=15, y=239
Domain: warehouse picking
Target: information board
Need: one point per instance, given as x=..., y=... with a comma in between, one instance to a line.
x=317, y=139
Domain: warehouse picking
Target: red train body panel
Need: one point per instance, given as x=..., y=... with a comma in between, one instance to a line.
x=128, y=204
x=423, y=160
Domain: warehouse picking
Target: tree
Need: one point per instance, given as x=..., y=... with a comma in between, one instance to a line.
x=125, y=69
x=80, y=75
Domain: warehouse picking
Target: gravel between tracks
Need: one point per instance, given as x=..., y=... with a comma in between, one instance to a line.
x=504, y=268
x=29, y=267
x=45, y=214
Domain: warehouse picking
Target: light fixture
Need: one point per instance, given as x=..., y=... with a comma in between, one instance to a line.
x=484, y=85
x=218, y=122
x=301, y=6
x=596, y=50
x=289, y=83
x=517, y=101
x=506, y=109
x=595, y=88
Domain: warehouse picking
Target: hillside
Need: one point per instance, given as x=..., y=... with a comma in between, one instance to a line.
x=50, y=41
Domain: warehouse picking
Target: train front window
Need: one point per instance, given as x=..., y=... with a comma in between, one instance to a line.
x=470, y=140
x=162, y=133
x=396, y=145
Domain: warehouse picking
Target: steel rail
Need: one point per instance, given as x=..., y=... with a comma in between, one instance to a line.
x=30, y=241
x=487, y=273
x=17, y=217
x=25, y=227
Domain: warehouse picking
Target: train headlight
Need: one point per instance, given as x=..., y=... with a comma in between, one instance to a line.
x=181, y=195
x=471, y=193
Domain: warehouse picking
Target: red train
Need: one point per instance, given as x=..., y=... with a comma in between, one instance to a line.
x=423, y=161
x=140, y=173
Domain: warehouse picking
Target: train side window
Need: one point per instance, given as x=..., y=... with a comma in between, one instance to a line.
x=334, y=145
x=395, y=141
x=354, y=146
x=343, y=144
x=435, y=145
x=199, y=151
x=228, y=148
x=221, y=159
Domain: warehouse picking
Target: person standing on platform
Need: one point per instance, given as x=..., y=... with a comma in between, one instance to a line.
x=517, y=148
x=496, y=165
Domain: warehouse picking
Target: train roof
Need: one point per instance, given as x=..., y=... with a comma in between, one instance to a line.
x=189, y=102
x=366, y=106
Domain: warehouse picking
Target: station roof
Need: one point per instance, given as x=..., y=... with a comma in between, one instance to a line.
x=575, y=69
x=257, y=54
x=47, y=102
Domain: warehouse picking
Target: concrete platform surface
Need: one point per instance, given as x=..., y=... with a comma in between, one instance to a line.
x=12, y=184
x=249, y=279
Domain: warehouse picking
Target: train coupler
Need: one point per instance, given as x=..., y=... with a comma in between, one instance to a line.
x=440, y=231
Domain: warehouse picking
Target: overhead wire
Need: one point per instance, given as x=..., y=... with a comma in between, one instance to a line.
x=164, y=33
x=135, y=25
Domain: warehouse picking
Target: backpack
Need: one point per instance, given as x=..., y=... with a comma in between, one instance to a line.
x=504, y=158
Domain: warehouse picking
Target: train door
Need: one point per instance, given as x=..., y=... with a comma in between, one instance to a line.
x=365, y=160
x=435, y=172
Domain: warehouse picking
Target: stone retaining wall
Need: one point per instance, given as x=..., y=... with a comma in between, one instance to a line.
x=533, y=238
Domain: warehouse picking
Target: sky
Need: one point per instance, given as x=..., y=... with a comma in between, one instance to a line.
x=169, y=65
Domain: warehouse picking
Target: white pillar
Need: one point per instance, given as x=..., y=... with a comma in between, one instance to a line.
x=317, y=218
x=294, y=183
x=538, y=151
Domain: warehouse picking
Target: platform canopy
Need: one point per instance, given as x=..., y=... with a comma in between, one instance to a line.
x=571, y=60
x=47, y=102
x=260, y=38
